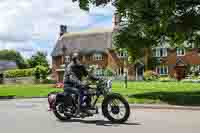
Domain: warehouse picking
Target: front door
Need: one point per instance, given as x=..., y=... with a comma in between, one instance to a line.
x=180, y=72
x=139, y=72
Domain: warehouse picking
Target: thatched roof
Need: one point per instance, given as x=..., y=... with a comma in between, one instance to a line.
x=86, y=42
x=89, y=51
x=58, y=49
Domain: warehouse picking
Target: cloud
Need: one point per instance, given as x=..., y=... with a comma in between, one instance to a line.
x=23, y=20
x=31, y=25
x=107, y=10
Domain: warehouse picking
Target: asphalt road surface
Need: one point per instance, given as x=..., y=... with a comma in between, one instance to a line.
x=31, y=116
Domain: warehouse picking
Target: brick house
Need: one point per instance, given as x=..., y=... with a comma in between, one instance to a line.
x=95, y=48
x=175, y=61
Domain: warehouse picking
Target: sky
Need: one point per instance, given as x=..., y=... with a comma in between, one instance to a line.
x=31, y=25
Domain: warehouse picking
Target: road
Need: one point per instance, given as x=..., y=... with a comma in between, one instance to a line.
x=31, y=116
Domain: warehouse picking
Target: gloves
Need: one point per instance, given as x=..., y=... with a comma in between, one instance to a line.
x=84, y=83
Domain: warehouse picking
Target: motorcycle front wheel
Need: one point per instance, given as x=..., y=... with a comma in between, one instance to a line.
x=59, y=112
x=116, y=108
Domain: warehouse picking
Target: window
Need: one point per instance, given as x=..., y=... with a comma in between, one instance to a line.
x=122, y=54
x=99, y=72
x=121, y=71
x=98, y=57
x=162, y=70
x=160, y=52
x=180, y=52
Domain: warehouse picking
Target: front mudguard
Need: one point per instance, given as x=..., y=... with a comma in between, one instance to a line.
x=111, y=95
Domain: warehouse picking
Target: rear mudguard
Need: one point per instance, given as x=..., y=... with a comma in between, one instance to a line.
x=62, y=97
x=51, y=100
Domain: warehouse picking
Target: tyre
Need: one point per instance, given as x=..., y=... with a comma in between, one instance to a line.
x=59, y=112
x=112, y=110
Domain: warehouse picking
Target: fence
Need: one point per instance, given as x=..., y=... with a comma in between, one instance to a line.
x=21, y=80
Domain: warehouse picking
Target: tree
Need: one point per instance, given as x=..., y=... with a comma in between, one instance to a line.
x=41, y=72
x=21, y=62
x=148, y=23
x=39, y=59
x=15, y=56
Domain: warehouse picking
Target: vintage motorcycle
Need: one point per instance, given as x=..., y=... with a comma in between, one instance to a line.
x=114, y=106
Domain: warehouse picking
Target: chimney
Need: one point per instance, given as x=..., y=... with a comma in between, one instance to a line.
x=63, y=29
x=116, y=21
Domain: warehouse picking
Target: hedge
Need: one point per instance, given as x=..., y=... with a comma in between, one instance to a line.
x=19, y=73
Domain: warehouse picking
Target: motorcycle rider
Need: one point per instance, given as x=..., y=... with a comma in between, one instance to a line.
x=74, y=73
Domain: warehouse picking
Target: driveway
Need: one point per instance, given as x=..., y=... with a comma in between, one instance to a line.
x=31, y=116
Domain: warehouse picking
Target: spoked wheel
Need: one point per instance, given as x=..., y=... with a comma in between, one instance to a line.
x=116, y=108
x=59, y=112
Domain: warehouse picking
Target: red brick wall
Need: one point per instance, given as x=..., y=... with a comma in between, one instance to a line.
x=191, y=57
x=115, y=63
x=56, y=62
x=110, y=60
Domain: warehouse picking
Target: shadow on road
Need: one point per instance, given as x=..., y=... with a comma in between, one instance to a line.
x=99, y=122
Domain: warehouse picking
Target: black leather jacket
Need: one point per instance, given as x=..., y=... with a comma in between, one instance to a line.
x=74, y=72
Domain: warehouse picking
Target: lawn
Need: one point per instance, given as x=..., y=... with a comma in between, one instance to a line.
x=137, y=92
x=175, y=93
x=26, y=90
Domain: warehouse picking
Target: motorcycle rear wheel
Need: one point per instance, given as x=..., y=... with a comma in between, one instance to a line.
x=60, y=115
x=115, y=109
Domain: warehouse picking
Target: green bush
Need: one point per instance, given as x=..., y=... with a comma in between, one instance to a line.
x=19, y=73
x=41, y=72
x=108, y=72
x=37, y=73
x=151, y=76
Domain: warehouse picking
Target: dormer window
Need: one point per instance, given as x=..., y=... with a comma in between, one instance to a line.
x=160, y=52
x=98, y=57
x=180, y=52
x=122, y=54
